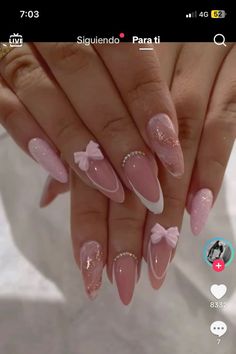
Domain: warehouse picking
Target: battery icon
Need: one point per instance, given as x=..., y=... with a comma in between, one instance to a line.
x=218, y=13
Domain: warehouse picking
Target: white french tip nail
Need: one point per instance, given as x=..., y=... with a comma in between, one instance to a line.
x=154, y=207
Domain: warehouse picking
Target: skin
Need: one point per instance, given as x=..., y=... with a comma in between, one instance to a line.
x=80, y=102
x=203, y=93
x=203, y=101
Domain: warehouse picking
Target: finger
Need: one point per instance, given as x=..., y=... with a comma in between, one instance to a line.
x=167, y=56
x=85, y=80
x=215, y=145
x=22, y=128
x=89, y=233
x=53, y=112
x=51, y=190
x=126, y=224
x=147, y=97
x=191, y=89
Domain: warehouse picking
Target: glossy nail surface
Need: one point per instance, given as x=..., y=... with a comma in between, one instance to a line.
x=200, y=207
x=161, y=244
x=142, y=179
x=125, y=273
x=48, y=159
x=91, y=264
x=165, y=143
x=100, y=172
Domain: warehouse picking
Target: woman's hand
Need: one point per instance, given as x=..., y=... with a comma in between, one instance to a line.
x=68, y=97
x=204, y=92
x=123, y=238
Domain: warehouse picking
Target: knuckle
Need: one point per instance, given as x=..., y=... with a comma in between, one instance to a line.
x=115, y=126
x=174, y=202
x=65, y=131
x=189, y=131
x=223, y=119
x=22, y=71
x=188, y=100
x=189, y=110
x=70, y=57
x=130, y=222
x=147, y=84
x=89, y=215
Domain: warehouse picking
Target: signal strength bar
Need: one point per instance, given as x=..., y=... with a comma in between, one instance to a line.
x=191, y=14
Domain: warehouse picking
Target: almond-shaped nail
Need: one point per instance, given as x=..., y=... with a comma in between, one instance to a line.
x=200, y=207
x=48, y=159
x=165, y=143
x=100, y=172
x=125, y=273
x=91, y=265
x=141, y=177
x=160, y=247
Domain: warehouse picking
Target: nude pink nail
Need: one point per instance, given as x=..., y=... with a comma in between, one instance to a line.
x=48, y=159
x=166, y=144
x=141, y=177
x=160, y=247
x=91, y=264
x=125, y=272
x=100, y=172
x=201, y=205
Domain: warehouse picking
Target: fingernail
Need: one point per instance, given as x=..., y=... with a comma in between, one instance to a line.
x=125, y=272
x=199, y=210
x=91, y=264
x=143, y=181
x=166, y=144
x=48, y=159
x=160, y=247
x=100, y=172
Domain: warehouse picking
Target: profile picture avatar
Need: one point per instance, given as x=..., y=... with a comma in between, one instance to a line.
x=218, y=249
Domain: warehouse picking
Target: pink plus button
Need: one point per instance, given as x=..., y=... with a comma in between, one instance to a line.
x=218, y=265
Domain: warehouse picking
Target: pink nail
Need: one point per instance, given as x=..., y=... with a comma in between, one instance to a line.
x=166, y=144
x=199, y=210
x=125, y=272
x=144, y=182
x=161, y=244
x=100, y=172
x=91, y=264
x=48, y=159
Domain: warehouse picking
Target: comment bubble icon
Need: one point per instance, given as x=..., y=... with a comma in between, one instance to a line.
x=218, y=328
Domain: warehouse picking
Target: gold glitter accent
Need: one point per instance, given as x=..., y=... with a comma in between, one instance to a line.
x=92, y=267
x=4, y=49
x=131, y=154
x=164, y=139
x=125, y=254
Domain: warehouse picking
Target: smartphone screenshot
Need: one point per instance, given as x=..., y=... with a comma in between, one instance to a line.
x=117, y=178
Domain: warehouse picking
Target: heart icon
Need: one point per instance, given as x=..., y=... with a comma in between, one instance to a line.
x=218, y=290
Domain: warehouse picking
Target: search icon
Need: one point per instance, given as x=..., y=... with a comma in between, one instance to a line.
x=220, y=40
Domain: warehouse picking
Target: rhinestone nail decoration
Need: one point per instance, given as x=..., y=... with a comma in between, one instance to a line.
x=133, y=153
